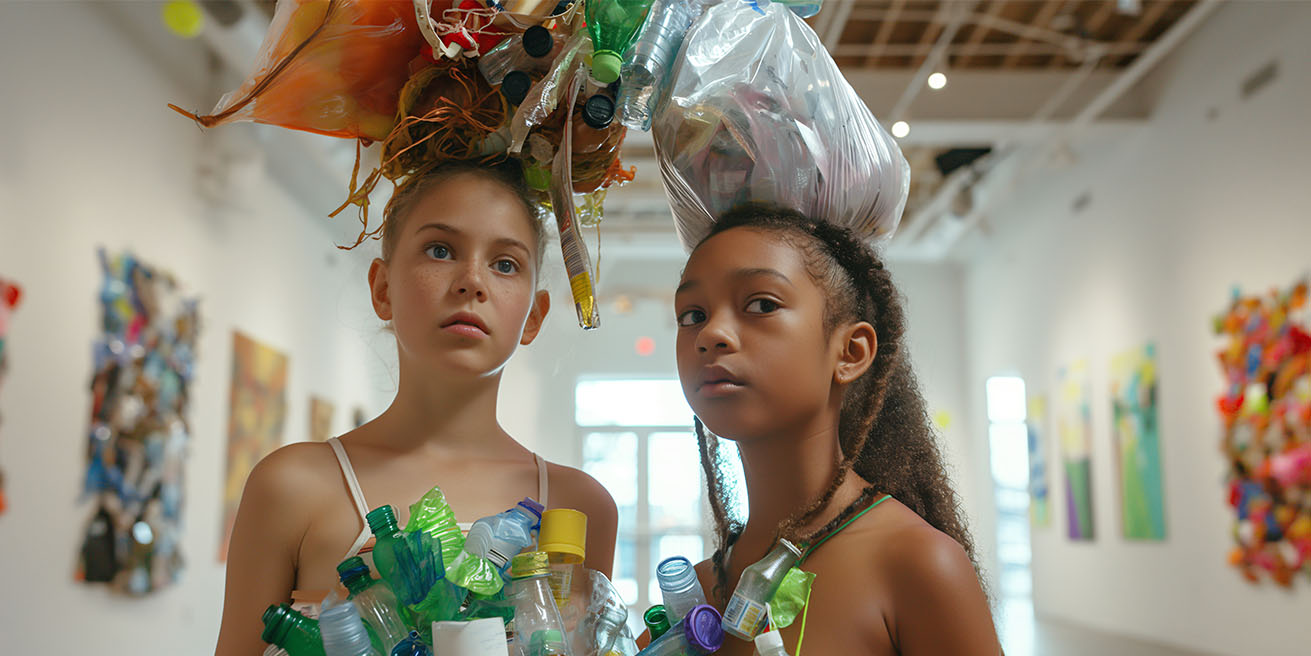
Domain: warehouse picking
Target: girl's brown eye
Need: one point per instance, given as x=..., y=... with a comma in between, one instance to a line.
x=691, y=318
x=762, y=306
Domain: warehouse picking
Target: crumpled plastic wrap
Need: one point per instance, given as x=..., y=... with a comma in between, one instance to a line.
x=431, y=514
x=758, y=111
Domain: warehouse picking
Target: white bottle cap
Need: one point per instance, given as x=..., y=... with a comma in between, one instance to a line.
x=770, y=642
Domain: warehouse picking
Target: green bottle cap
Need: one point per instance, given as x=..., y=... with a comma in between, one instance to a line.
x=656, y=619
x=382, y=518
x=605, y=66
x=354, y=574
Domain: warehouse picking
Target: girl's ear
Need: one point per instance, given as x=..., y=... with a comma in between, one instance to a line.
x=541, y=306
x=858, y=343
x=379, y=292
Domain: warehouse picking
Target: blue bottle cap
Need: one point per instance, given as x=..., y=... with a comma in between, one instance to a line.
x=534, y=507
x=704, y=629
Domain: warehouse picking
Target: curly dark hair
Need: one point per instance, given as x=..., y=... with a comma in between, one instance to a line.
x=884, y=430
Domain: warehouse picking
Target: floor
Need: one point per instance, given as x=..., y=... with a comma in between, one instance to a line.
x=1024, y=635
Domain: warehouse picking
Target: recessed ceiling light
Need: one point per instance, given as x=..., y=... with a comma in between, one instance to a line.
x=937, y=81
x=900, y=129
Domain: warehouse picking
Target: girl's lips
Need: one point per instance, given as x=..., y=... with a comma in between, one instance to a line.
x=719, y=389
x=465, y=330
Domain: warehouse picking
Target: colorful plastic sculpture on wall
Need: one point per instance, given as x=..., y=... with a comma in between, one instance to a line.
x=10, y=294
x=137, y=438
x=1265, y=412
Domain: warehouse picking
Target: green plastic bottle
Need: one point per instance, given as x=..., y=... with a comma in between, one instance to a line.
x=294, y=633
x=613, y=25
x=392, y=556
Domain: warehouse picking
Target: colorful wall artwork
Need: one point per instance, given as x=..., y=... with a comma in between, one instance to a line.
x=1073, y=415
x=1265, y=414
x=256, y=414
x=321, y=411
x=1039, y=488
x=1138, y=443
x=10, y=294
x=137, y=438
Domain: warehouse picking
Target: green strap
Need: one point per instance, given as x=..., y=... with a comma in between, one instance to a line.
x=837, y=530
x=801, y=635
x=805, y=610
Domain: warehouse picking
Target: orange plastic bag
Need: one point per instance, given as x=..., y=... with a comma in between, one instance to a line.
x=333, y=67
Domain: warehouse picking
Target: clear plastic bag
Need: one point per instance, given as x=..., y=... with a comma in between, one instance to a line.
x=758, y=111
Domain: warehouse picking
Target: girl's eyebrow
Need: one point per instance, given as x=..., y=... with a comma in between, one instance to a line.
x=741, y=274
x=762, y=271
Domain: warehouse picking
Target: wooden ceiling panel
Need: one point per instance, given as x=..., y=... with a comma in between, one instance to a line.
x=1012, y=35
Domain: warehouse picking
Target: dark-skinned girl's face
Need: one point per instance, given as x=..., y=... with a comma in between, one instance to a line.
x=754, y=356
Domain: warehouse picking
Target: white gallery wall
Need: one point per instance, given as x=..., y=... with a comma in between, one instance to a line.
x=90, y=156
x=1210, y=195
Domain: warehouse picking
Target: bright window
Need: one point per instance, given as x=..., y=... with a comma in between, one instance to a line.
x=1008, y=451
x=637, y=441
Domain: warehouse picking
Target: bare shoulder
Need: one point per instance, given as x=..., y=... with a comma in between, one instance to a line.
x=574, y=488
x=294, y=474
x=921, y=576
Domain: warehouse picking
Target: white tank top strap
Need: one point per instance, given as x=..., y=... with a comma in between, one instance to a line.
x=543, y=482
x=357, y=495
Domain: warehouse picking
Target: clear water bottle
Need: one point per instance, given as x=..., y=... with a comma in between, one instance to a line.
x=646, y=69
x=746, y=615
x=344, y=633
x=537, y=623
x=679, y=587
x=376, y=603
x=802, y=8
x=701, y=632
x=499, y=537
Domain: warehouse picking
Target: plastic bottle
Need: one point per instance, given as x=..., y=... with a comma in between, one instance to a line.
x=745, y=616
x=293, y=632
x=613, y=24
x=679, y=587
x=701, y=632
x=344, y=633
x=563, y=537
x=656, y=620
x=548, y=642
x=648, y=62
x=537, y=623
x=499, y=537
x=376, y=603
x=515, y=86
x=612, y=636
x=770, y=643
x=533, y=50
x=593, y=124
x=412, y=645
x=396, y=564
x=802, y=8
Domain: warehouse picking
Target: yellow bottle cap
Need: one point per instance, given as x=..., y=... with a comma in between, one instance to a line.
x=532, y=563
x=564, y=531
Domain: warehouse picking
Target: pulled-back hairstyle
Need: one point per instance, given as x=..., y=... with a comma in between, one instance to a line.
x=505, y=172
x=884, y=430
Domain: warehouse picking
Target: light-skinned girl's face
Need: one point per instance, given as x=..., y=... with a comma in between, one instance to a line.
x=753, y=354
x=460, y=287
